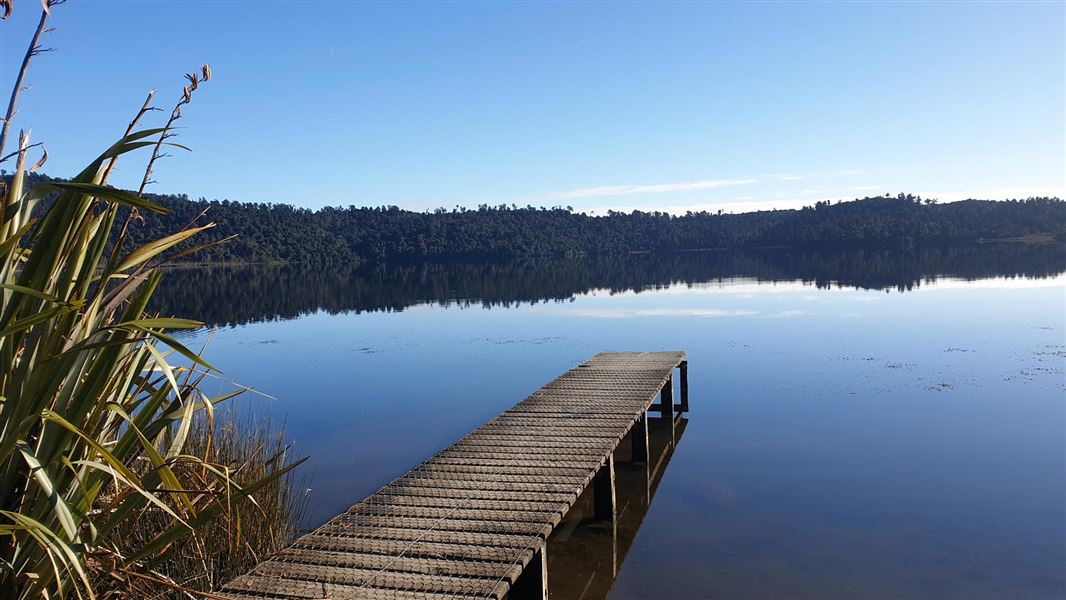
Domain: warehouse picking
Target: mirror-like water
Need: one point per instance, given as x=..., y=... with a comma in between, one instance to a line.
x=863, y=424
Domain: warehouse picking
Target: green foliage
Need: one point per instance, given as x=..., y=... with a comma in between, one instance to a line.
x=282, y=233
x=94, y=416
x=98, y=485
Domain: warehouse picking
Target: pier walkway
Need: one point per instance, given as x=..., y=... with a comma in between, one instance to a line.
x=473, y=521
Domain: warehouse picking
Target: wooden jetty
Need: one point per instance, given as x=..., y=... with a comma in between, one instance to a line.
x=473, y=521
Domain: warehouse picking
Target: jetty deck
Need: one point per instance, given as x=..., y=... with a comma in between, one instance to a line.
x=474, y=520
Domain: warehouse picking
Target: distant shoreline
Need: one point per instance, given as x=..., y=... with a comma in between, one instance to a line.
x=1034, y=240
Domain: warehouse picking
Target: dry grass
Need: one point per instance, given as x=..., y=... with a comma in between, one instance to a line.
x=252, y=448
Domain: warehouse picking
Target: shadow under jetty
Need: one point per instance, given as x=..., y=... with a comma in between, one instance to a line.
x=585, y=554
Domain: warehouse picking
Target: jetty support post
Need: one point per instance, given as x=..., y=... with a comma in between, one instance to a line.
x=666, y=398
x=532, y=584
x=639, y=439
x=684, y=385
x=603, y=496
x=614, y=549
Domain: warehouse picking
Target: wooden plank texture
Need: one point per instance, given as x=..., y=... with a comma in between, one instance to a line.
x=468, y=521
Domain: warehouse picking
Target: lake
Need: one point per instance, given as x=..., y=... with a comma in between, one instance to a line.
x=863, y=423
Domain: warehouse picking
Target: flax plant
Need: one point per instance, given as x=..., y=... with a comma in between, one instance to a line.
x=97, y=399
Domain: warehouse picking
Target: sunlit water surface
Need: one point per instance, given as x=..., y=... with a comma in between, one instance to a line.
x=842, y=442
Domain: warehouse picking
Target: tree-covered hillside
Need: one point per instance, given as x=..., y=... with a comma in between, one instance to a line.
x=283, y=233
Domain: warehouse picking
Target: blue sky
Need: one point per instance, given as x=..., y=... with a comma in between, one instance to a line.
x=656, y=106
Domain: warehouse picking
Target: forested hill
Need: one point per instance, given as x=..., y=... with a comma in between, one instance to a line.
x=283, y=233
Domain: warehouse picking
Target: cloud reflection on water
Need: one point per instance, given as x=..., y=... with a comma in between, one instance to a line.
x=654, y=312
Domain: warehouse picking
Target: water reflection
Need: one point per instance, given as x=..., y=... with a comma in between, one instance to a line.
x=869, y=445
x=585, y=555
x=238, y=295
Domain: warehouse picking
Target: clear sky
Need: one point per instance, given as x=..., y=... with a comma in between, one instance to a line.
x=657, y=106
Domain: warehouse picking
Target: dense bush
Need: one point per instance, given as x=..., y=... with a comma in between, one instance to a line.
x=279, y=232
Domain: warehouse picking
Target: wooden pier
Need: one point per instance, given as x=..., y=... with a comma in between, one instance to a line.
x=473, y=521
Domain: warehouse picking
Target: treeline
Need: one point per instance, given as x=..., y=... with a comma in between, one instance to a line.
x=284, y=233
x=278, y=232
x=231, y=295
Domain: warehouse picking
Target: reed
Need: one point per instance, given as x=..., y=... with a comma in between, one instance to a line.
x=253, y=448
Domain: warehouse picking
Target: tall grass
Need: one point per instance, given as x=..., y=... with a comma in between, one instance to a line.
x=97, y=412
x=232, y=544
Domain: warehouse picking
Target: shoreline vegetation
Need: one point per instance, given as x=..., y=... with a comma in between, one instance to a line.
x=258, y=233
x=254, y=447
x=120, y=475
x=284, y=234
x=1043, y=239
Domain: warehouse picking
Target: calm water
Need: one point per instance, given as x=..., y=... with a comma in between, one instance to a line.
x=862, y=424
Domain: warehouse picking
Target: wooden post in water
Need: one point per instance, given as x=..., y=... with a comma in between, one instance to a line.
x=666, y=398
x=532, y=584
x=639, y=439
x=684, y=386
x=614, y=549
x=603, y=498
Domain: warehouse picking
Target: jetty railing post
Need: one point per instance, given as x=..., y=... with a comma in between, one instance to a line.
x=639, y=439
x=603, y=496
x=666, y=397
x=684, y=385
x=532, y=584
